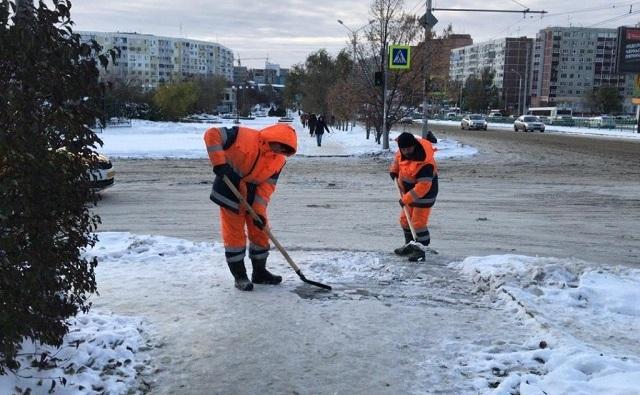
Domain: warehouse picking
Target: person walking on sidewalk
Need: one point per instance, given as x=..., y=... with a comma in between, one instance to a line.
x=312, y=123
x=414, y=166
x=252, y=160
x=321, y=126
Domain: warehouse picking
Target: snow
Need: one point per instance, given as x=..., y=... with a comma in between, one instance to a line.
x=101, y=352
x=561, y=326
x=589, y=318
x=146, y=139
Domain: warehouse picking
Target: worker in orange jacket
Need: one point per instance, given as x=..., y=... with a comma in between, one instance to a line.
x=252, y=160
x=414, y=166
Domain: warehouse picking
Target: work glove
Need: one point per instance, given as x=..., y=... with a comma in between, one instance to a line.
x=260, y=224
x=226, y=170
x=401, y=203
x=393, y=175
x=431, y=137
x=223, y=170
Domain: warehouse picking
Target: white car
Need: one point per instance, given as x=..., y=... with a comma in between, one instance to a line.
x=602, y=122
x=528, y=123
x=101, y=172
x=103, y=175
x=473, y=121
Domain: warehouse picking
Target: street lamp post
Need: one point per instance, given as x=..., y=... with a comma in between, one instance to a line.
x=520, y=94
x=235, y=94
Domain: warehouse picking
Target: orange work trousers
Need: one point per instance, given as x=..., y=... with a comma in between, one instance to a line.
x=235, y=239
x=420, y=222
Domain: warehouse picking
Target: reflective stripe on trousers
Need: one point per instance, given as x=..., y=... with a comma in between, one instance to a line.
x=235, y=238
x=420, y=222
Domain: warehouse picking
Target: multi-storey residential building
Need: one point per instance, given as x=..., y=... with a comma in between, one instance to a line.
x=149, y=61
x=569, y=62
x=508, y=58
x=439, y=49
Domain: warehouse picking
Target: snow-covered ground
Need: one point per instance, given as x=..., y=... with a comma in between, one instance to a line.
x=146, y=139
x=582, y=321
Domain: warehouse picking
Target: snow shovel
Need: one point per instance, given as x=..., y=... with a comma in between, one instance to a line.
x=413, y=242
x=284, y=253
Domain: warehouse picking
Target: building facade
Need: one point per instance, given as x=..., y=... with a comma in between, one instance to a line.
x=570, y=62
x=509, y=58
x=150, y=61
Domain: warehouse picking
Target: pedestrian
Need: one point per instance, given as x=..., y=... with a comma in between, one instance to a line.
x=304, y=118
x=252, y=160
x=415, y=167
x=321, y=126
x=312, y=123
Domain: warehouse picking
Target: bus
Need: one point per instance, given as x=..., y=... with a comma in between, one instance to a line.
x=550, y=112
x=553, y=115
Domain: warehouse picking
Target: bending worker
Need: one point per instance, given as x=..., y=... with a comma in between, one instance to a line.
x=252, y=160
x=415, y=167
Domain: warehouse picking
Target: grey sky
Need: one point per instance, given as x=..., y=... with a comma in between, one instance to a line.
x=288, y=30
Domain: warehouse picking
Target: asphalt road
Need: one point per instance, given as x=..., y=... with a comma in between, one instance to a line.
x=524, y=193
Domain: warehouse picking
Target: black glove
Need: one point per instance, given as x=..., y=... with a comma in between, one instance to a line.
x=401, y=203
x=223, y=170
x=431, y=137
x=393, y=175
x=260, y=224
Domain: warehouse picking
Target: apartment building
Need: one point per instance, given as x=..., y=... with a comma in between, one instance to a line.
x=569, y=62
x=439, y=59
x=149, y=61
x=508, y=58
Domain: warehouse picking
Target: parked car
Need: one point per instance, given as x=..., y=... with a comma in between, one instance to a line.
x=102, y=175
x=528, y=123
x=473, y=121
x=451, y=115
x=406, y=120
x=602, y=122
x=495, y=113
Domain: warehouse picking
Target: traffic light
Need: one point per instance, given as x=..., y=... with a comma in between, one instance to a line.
x=378, y=78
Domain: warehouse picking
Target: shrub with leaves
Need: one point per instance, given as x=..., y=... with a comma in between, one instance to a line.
x=49, y=97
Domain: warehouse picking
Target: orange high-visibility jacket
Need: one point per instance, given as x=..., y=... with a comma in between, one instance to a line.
x=419, y=178
x=247, y=151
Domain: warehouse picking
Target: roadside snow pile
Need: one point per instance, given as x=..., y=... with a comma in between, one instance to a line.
x=102, y=353
x=584, y=327
x=127, y=248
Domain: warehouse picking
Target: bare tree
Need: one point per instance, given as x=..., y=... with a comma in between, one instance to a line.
x=403, y=88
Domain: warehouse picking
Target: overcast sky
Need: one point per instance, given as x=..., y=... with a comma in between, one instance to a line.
x=286, y=31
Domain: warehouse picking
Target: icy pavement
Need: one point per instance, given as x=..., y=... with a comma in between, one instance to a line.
x=498, y=324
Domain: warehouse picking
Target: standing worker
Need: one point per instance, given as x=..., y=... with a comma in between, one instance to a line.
x=415, y=167
x=252, y=160
x=321, y=126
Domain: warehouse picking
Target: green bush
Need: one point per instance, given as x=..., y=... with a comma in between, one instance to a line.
x=176, y=100
x=49, y=94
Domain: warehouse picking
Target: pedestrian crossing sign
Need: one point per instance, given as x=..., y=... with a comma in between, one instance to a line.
x=399, y=57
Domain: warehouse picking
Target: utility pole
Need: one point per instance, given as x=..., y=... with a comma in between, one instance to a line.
x=428, y=21
x=385, y=136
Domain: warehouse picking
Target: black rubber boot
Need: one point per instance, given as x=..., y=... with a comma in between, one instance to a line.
x=406, y=249
x=416, y=254
x=240, y=275
x=261, y=275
